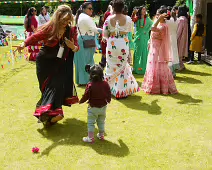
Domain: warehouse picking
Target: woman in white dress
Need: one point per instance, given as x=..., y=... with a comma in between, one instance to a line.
x=118, y=72
x=173, y=24
x=44, y=16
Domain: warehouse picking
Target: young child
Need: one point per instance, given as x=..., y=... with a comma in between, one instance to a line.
x=98, y=95
x=197, y=39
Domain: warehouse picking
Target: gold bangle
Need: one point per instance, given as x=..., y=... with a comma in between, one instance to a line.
x=75, y=49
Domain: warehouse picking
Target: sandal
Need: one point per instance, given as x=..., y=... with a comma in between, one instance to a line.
x=44, y=117
x=56, y=119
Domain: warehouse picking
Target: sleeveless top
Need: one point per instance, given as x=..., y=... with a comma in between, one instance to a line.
x=124, y=28
x=200, y=30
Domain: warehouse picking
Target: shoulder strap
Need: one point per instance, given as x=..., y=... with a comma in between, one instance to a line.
x=44, y=18
x=80, y=32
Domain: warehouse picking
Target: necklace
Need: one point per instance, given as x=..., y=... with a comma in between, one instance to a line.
x=61, y=32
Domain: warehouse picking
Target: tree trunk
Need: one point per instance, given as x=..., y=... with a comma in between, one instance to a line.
x=197, y=6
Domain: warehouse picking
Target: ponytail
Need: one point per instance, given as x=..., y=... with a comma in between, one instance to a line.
x=80, y=10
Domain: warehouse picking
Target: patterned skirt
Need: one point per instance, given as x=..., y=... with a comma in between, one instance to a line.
x=159, y=79
x=118, y=71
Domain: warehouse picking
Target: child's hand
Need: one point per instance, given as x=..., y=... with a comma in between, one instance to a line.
x=104, y=40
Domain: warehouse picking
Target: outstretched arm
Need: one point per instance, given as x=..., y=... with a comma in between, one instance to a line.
x=86, y=95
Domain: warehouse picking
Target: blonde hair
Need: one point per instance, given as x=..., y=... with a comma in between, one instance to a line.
x=53, y=26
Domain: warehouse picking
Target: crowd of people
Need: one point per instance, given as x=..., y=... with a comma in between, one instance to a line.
x=68, y=41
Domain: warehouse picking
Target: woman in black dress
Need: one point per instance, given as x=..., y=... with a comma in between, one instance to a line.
x=54, y=65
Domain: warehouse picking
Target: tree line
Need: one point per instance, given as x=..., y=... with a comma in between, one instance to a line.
x=21, y=9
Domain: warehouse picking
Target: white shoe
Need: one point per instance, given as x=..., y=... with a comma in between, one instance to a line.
x=190, y=62
x=100, y=137
x=88, y=140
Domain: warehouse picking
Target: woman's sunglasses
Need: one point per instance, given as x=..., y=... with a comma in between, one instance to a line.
x=90, y=9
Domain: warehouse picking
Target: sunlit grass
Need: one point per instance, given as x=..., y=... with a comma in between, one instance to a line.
x=143, y=131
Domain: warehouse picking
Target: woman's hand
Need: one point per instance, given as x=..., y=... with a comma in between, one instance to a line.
x=135, y=11
x=104, y=40
x=70, y=43
x=163, y=16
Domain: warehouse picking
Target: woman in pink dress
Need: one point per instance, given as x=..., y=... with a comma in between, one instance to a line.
x=158, y=78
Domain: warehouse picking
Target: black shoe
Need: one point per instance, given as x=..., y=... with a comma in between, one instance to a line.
x=44, y=117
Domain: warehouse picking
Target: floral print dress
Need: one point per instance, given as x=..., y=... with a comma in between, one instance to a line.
x=118, y=72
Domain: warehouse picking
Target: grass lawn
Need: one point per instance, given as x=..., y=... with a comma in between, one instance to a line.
x=11, y=20
x=143, y=132
x=5, y=56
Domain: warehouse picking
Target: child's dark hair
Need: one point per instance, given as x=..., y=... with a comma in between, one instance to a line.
x=96, y=73
x=199, y=16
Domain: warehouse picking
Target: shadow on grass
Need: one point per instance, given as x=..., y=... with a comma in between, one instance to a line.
x=187, y=80
x=134, y=102
x=71, y=133
x=190, y=72
x=185, y=99
x=12, y=72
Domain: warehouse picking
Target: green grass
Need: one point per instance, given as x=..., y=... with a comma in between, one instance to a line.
x=5, y=55
x=20, y=21
x=143, y=132
x=7, y=20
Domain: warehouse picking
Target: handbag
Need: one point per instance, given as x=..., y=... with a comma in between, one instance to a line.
x=87, y=43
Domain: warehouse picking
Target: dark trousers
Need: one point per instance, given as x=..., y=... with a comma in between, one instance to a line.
x=192, y=56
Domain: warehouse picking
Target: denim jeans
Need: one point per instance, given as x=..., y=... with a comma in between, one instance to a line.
x=96, y=115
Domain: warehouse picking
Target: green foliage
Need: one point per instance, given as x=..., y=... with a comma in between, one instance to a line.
x=180, y=2
x=52, y=6
x=147, y=6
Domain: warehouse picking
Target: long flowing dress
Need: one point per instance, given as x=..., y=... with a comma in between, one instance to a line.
x=86, y=31
x=118, y=72
x=55, y=75
x=143, y=27
x=174, y=65
x=32, y=49
x=158, y=78
x=182, y=39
